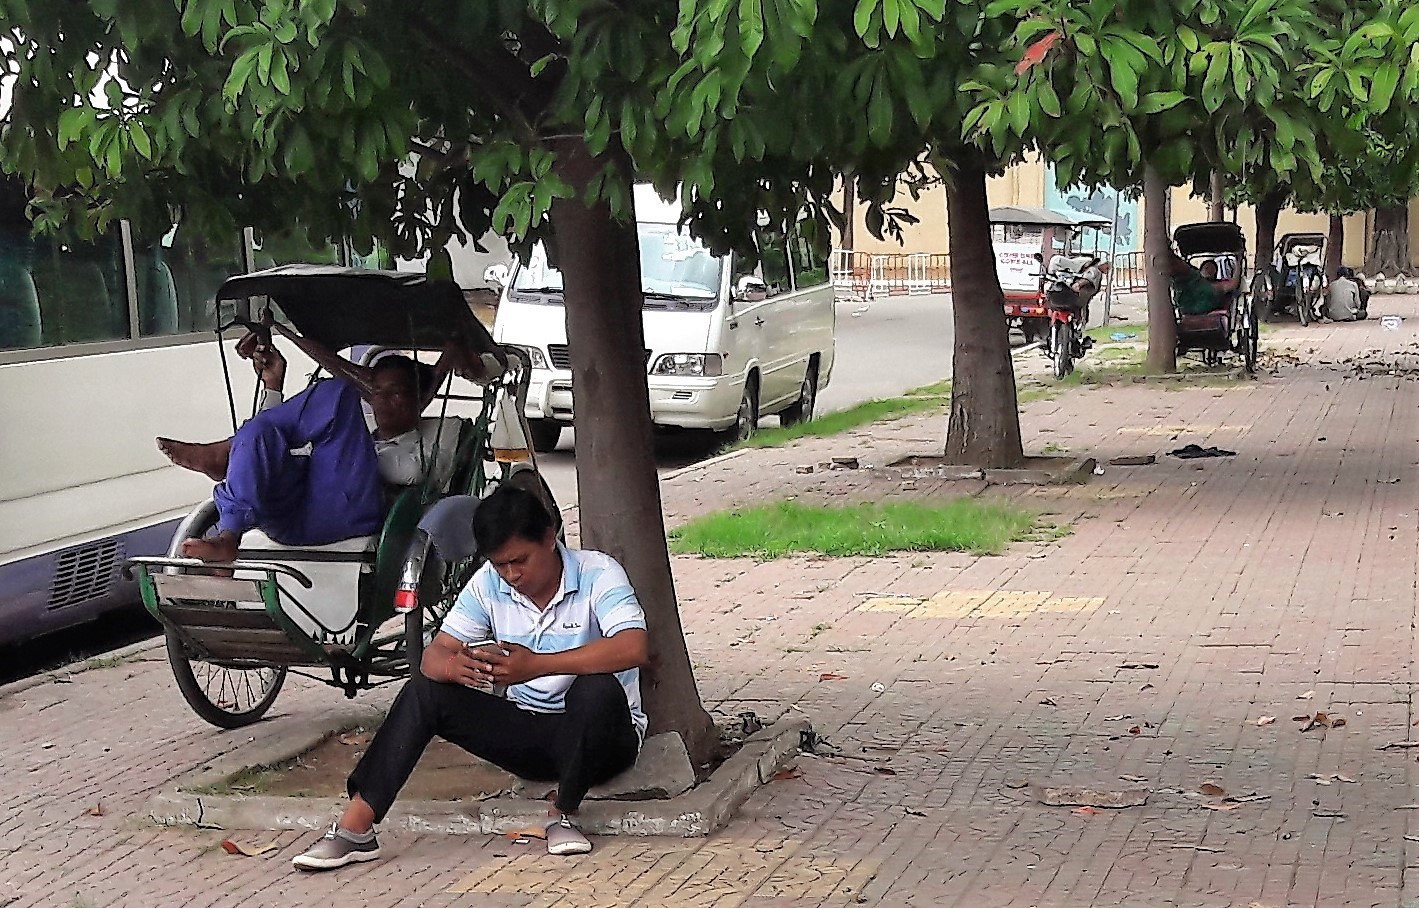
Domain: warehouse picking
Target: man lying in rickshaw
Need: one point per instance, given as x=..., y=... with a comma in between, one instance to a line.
x=1198, y=290
x=266, y=481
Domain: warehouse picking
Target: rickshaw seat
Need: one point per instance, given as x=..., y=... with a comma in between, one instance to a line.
x=336, y=570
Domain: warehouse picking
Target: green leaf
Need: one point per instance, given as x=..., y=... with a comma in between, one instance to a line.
x=1382, y=86
x=142, y=143
x=1049, y=100
x=236, y=80
x=862, y=16
x=751, y=26
x=1156, y=102
x=1125, y=82
x=1212, y=89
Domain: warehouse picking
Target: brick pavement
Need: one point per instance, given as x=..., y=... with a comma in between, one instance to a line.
x=1248, y=582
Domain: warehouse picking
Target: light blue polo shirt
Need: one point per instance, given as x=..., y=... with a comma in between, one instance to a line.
x=595, y=601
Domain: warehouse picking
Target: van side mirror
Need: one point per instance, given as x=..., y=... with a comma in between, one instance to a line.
x=749, y=289
x=496, y=275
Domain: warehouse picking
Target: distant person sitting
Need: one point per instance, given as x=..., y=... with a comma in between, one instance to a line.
x=1346, y=300
x=1198, y=291
x=267, y=480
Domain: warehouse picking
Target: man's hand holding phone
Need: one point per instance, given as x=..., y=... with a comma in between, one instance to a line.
x=472, y=665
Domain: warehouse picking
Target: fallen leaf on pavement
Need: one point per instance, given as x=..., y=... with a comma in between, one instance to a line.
x=1135, y=730
x=1016, y=784
x=1407, y=807
x=884, y=771
x=1308, y=695
x=1221, y=806
x=831, y=676
x=1048, y=701
x=1338, y=723
x=95, y=811
x=1114, y=718
x=250, y=851
x=1138, y=665
x=783, y=775
x=1266, y=720
x=1133, y=778
x=532, y=832
x=356, y=738
x=1319, y=720
x=1394, y=745
x=1305, y=718
x=1212, y=790
x=1086, y=811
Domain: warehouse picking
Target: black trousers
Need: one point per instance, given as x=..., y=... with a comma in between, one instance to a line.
x=593, y=741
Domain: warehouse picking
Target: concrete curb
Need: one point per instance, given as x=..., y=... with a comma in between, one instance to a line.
x=697, y=813
x=78, y=668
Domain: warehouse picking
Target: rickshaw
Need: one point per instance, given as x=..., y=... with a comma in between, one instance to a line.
x=1296, y=279
x=1018, y=255
x=1232, y=327
x=360, y=610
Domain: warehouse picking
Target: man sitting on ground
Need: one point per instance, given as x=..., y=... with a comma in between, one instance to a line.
x=571, y=641
x=334, y=492
x=1345, y=301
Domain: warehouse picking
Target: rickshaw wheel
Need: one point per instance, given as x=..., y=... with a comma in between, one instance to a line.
x=1249, y=333
x=226, y=697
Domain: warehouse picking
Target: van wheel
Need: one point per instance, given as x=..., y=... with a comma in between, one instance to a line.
x=801, y=410
x=545, y=434
x=746, y=423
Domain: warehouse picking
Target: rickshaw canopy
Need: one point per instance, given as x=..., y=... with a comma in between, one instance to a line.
x=1290, y=241
x=344, y=307
x=1213, y=237
x=1036, y=217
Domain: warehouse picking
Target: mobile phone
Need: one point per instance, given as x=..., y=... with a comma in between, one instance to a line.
x=497, y=690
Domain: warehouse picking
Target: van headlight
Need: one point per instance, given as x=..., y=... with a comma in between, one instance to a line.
x=534, y=355
x=691, y=364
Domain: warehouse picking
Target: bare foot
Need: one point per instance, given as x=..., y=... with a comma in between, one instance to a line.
x=219, y=548
x=209, y=459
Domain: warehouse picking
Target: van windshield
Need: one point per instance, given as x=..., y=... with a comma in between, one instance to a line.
x=677, y=271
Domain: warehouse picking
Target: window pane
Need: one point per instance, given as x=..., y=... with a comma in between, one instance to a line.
x=809, y=268
x=53, y=289
x=773, y=255
x=80, y=288
x=272, y=249
x=178, y=279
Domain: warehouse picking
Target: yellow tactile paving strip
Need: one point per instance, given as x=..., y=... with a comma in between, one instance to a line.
x=982, y=604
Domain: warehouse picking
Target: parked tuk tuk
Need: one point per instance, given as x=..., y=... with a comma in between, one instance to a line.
x=1024, y=238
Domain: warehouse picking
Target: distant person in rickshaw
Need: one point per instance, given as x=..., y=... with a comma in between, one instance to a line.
x=266, y=481
x=1347, y=299
x=1198, y=291
x=570, y=642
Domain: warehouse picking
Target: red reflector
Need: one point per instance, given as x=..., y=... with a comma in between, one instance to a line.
x=406, y=600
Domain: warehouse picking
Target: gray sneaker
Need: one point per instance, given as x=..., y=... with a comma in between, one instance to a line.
x=564, y=838
x=337, y=848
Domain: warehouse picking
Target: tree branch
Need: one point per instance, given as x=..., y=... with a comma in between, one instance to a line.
x=505, y=82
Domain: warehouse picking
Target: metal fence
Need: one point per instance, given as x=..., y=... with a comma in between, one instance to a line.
x=864, y=275
x=1130, y=273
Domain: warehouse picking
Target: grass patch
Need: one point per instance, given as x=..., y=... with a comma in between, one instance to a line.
x=1106, y=332
x=787, y=527
x=251, y=780
x=917, y=400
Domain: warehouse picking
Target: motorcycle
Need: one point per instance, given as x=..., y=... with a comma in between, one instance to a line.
x=1065, y=341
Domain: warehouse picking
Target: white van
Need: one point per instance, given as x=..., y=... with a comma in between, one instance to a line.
x=726, y=343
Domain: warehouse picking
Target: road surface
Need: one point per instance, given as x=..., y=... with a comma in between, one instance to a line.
x=884, y=348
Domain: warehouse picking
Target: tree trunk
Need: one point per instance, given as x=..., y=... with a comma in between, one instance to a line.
x=1157, y=251
x=1335, y=245
x=1268, y=212
x=849, y=211
x=619, y=490
x=984, y=427
x=1389, y=245
x=1216, y=198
